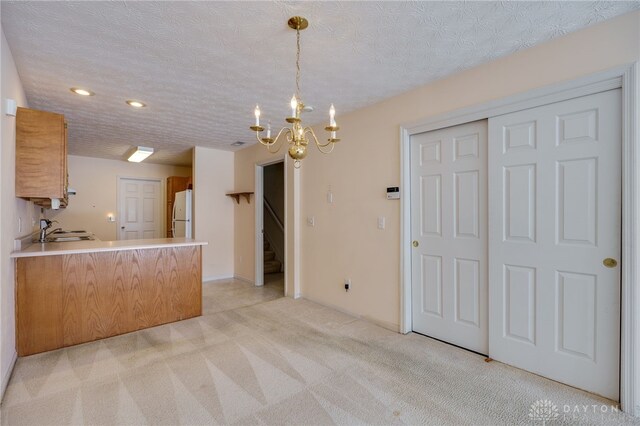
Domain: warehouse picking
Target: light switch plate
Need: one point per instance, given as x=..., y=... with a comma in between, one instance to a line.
x=10, y=107
x=381, y=222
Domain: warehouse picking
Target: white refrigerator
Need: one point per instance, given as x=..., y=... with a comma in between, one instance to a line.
x=181, y=220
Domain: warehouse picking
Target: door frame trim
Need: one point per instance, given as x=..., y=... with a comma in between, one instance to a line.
x=628, y=79
x=259, y=221
x=161, y=201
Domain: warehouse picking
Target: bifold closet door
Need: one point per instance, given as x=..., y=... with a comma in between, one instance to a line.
x=554, y=241
x=449, y=232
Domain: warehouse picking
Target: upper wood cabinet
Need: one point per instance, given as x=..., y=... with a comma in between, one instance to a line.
x=41, y=156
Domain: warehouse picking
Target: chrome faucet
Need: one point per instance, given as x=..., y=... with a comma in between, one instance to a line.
x=44, y=225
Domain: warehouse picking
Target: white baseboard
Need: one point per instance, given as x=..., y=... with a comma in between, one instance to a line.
x=216, y=278
x=246, y=280
x=389, y=326
x=6, y=376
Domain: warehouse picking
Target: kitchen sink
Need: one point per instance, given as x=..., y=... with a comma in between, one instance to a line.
x=61, y=236
x=66, y=236
x=69, y=238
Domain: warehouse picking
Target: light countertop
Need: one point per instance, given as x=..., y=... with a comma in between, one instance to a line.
x=74, y=247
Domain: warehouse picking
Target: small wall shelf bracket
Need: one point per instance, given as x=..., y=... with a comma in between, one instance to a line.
x=236, y=196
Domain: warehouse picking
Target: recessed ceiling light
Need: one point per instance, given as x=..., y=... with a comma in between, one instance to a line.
x=136, y=104
x=82, y=92
x=141, y=153
x=239, y=143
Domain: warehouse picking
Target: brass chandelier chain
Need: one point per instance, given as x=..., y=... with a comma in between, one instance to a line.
x=298, y=63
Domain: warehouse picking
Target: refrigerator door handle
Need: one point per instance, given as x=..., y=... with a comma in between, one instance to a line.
x=173, y=221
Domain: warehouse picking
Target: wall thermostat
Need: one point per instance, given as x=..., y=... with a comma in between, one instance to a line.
x=393, y=193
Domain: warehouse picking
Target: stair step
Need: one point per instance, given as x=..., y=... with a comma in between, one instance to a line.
x=269, y=255
x=266, y=245
x=271, y=266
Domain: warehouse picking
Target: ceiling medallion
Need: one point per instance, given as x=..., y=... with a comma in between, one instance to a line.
x=296, y=135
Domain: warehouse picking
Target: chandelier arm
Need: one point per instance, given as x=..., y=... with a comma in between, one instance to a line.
x=329, y=151
x=318, y=144
x=260, y=140
x=310, y=130
x=276, y=140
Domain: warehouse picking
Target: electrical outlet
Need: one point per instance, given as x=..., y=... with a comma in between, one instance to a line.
x=347, y=284
x=329, y=197
x=311, y=221
x=381, y=222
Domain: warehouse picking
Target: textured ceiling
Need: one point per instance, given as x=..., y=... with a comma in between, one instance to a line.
x=202, y=66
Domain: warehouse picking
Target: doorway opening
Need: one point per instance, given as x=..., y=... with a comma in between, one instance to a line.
x=270, y=208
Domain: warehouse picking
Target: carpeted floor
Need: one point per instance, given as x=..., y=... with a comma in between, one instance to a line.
x=258, y=358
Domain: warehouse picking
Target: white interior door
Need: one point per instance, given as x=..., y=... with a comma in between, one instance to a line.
x=449, y=227
x=139, y=201
x=555, y=212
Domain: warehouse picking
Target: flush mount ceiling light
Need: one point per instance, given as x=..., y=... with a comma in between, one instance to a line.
x=141, y=153
x=296, y=135
x=238, y=143
x=82, y=92
x=136, y=104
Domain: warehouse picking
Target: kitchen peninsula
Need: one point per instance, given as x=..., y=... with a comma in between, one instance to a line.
x=74, y=292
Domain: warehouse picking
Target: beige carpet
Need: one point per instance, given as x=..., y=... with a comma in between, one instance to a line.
x=257, y=358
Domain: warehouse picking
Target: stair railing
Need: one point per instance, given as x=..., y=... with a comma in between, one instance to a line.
x=273, y=214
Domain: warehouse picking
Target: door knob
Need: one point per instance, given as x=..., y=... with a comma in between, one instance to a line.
x=610, y=263
x=415, y=243
x=122, y=227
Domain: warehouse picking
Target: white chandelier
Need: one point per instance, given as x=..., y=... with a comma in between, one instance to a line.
x=296, y=135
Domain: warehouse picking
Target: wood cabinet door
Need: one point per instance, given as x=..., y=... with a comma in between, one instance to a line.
x=40, y=154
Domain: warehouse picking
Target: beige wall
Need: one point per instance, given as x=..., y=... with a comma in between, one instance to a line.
x=345, y=242
x=12, y=210
x=213, y=210
x=96, y=183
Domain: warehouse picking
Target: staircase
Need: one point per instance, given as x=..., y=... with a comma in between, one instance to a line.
x=271, y=264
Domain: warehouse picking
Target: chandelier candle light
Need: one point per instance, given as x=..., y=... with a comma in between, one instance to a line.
x=296, y=135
